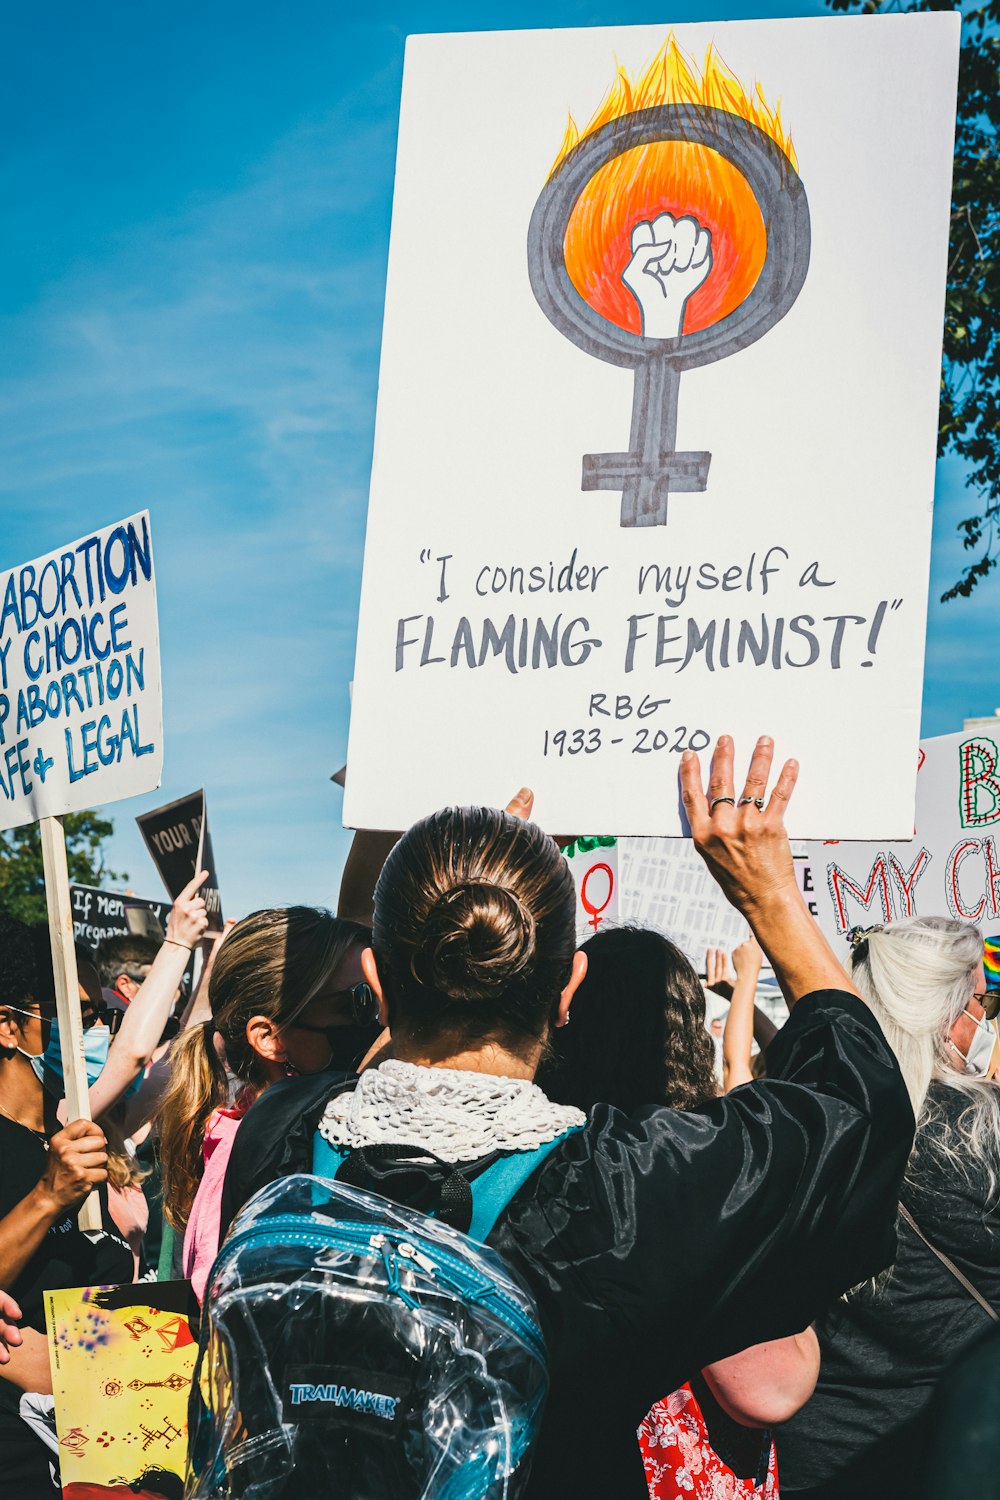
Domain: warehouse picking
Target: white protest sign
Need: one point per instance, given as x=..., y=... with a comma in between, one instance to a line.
x=950, y=868
x=666, y=885
x=594, y=863
x=81, y=721
x=657, y=417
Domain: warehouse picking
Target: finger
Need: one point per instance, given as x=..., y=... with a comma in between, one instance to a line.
x=651, y=255
x=720, y=780
x=783, y=789
x=685, y=235
x=760, y=768
x=521, y=803
x=87, y=1152
x=692, y=792
x=193, y=885
x=642, y=234
x=76, y=1130
x=10, y=1308
x=663, y=229
x=702, y=248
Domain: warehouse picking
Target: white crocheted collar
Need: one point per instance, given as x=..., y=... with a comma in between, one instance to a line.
x=457, y=1116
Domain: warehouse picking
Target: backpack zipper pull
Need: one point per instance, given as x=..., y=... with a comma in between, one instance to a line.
x=410, y=1252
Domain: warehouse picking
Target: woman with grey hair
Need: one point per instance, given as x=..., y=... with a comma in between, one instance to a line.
x=885, y=1345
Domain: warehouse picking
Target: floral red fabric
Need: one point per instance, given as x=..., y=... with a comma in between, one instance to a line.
x=681, y=1463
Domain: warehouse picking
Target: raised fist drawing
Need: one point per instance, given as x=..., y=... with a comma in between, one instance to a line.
x=670, y=260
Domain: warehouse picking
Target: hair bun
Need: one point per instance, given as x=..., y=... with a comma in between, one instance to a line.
x=477, y=940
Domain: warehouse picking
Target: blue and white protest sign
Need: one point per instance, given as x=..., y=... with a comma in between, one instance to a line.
x=81, y=721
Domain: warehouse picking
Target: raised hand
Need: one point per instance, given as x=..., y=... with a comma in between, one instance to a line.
x=188, y=916
x=743, y=842
x=720, y=976
x=670, y=260
x=747, y=960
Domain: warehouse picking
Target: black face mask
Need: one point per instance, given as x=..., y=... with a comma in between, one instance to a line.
x=348, y=1045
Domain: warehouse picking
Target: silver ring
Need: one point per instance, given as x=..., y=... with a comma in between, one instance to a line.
x=758, y=802
x=716, y=800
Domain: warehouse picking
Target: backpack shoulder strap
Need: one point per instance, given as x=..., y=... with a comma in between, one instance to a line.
x=495, y=1187
x=492, y=1189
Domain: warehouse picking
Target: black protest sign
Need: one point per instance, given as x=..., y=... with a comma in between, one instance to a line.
x=98, y=915
x=178, y=839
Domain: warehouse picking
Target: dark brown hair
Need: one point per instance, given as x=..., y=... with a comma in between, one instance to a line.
x=474, y=928
x=271, y=964
x=638, y=1029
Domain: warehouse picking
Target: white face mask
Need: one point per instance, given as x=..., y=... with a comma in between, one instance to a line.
x=980, y=1053
x=33, y=1057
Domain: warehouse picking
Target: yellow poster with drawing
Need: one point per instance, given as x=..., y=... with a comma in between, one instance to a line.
x=122, y=1361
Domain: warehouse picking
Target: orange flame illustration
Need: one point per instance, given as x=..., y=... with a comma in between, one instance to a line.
x=676, y=177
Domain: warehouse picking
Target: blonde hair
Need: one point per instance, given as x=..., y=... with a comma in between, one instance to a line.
x=918, y=976
x=123, y=1169
x=272, y=963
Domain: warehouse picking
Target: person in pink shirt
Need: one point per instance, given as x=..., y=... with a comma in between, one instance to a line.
x=287, y=997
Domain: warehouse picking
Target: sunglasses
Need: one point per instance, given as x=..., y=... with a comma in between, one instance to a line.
x=38, y=1013
x=364, y=1007
x=108, y=1015
x=990, y=1001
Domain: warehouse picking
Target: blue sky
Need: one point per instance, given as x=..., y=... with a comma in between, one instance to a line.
x=197, y=203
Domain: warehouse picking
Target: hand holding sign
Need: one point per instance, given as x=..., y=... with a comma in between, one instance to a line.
x=521, y=804
x=77, y=1163
x=188, y=918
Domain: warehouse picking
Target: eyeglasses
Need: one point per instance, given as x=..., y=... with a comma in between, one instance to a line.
x=990, y=1001
x=364, y=1007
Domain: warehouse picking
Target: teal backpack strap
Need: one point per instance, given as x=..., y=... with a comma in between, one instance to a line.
x=326, y=1159
x=494, y=1188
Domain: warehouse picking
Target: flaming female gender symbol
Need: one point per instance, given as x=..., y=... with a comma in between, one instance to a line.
x=673, y=233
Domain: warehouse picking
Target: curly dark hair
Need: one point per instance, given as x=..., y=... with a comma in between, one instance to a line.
x=637, y=1034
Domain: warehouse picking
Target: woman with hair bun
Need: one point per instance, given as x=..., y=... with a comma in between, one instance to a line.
x=283, y=1003
x=887, y=1343
x=653, y=1243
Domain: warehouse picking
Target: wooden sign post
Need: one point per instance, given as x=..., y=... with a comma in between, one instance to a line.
x=60, y=907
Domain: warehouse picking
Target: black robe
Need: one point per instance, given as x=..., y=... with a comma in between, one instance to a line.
x=660, y=1242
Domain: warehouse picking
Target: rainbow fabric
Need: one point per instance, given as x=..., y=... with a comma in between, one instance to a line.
x=991, y=961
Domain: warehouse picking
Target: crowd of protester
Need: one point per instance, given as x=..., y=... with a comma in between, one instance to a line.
x=751, y=1275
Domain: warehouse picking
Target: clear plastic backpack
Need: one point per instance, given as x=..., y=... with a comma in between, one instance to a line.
x=352, y=1349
